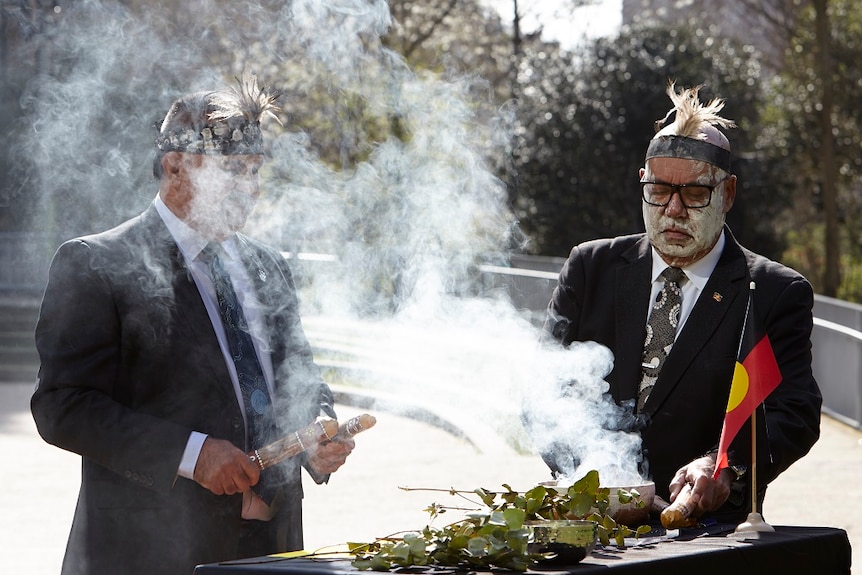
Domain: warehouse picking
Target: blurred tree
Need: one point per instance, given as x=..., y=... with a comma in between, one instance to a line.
x=22, y=57
x=566, y=131
x=776, y=22
x=813, y=123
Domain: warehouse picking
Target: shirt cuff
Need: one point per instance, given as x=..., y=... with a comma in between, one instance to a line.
x=190, y=455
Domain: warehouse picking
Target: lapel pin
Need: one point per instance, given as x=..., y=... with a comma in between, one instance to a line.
x=717, y=296
x=261, y=274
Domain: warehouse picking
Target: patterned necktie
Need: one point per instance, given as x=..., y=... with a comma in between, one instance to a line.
x=252, y=384
x=660, y=331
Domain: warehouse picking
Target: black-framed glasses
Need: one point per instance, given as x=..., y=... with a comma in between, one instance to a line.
x=692, y=195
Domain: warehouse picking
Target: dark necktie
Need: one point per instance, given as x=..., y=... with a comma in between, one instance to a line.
x=660, y=332
x=252, y=384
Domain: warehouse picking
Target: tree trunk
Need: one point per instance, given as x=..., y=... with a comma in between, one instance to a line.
x=831, y=273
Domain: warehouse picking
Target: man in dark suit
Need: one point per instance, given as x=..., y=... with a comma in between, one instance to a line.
x=678, y=398
x=144, y=377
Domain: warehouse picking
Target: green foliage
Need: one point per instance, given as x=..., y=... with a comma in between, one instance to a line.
x=806, y=255
x=566, y=131
x=791, y=134
x=497, y=536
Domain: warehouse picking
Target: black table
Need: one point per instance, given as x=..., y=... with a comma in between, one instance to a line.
x=789, y=550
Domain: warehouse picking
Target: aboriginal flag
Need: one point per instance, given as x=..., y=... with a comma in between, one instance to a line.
x=755, y=376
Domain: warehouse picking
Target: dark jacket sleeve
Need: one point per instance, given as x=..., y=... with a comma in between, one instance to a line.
x=564, y=309
x=78, y=404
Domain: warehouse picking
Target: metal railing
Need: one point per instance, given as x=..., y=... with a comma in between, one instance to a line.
x=837, y=348
x=836, y=339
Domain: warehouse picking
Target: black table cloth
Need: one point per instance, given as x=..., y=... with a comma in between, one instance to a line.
x=789, y=550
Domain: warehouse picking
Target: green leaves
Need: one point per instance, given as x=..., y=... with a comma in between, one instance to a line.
x=514, y=518
x=534, y=500
x=481, y=545
x=497, y=537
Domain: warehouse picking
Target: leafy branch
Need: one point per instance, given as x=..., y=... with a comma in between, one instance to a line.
x=497, y=534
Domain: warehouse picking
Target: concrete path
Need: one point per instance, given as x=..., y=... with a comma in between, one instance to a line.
x=363, y=500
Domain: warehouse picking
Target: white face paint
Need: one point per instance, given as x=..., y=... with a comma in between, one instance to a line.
x=684, y=235
x=225, y=193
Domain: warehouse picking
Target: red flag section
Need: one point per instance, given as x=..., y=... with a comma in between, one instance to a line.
x=754, y=378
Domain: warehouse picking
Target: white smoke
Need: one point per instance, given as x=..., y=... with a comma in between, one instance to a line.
x=398, y=303
x=573, y=420
x=412, y=224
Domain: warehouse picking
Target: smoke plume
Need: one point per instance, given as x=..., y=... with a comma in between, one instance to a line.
x=387, y=240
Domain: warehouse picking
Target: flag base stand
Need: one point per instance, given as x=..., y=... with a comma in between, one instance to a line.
x=754, y=523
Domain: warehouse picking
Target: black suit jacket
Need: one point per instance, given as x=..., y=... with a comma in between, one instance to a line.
x=130, y=366
x=603, y=296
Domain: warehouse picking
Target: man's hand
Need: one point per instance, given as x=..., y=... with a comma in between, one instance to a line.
x=707, y=494
x=225, y=469
x=329, y=456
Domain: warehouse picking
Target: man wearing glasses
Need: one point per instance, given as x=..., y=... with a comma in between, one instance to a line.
x=670, y=304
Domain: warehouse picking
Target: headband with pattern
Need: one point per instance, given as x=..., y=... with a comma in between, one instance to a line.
x=690, y=149
x=233, y=136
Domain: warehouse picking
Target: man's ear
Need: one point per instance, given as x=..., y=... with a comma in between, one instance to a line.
x=729, y=193
x=172, y=163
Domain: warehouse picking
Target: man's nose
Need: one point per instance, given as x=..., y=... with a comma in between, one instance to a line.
x=675, y=207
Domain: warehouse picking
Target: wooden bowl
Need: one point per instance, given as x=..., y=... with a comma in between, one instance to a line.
x=633, y=513
x=567, y=541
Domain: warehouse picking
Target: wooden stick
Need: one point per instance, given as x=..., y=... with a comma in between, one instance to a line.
x=355, y=425
x=323, y=429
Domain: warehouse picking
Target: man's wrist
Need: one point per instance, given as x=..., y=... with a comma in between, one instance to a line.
x=712, y=454
x=734, y=475
x=737, y=471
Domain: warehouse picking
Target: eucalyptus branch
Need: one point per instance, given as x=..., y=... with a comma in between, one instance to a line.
x=450, y=491
x=462, y=493
x=496, y=537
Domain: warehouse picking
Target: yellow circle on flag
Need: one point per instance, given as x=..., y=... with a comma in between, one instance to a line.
x=738, y=388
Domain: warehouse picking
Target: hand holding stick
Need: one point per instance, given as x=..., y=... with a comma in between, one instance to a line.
x=679, y=513
x=323, y=429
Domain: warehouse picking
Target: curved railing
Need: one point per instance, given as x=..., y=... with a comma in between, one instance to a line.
x=836, y=338
x=837, y=335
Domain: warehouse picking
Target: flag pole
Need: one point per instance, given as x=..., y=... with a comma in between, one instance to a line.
x=754, y=523
x=754, y=461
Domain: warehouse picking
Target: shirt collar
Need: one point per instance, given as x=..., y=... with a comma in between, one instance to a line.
x=697, y=273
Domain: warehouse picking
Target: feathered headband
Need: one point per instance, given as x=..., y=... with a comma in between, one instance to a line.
x=684, y=138
x=232, y=125
x=690, y=149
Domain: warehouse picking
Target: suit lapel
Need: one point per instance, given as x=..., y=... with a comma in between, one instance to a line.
x=719, y=294
x=193, y=318
x=632, y=292
x=191, y=315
